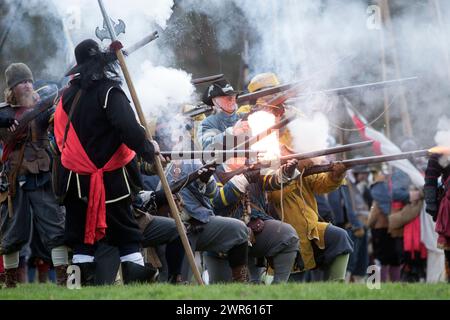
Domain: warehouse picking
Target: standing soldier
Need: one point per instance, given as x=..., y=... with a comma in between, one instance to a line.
x=98, y=136
x=26, y=167
x=437, y=199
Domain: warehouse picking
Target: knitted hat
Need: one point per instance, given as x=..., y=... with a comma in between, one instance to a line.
x=16, y=73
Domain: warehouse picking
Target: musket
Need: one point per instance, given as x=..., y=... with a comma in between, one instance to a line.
x=207, y=79
x=181, y=183
x=198, y=110
x=328, y=151
x=142, y=43
x=252, y=140
x=366, y=161
x=208, y=154
x=165, y=185
x=253, y=96
x=226, y=176
x=295, y=88
x=31, y=113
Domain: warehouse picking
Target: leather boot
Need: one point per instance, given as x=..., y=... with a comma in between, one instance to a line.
x=11, y=277
x=61, y=275
x=88, y=271
x=133, y=272
x=240, y=273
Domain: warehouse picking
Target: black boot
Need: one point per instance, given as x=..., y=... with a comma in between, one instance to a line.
x=133, y=272
x=87, y=273
x=11, y=277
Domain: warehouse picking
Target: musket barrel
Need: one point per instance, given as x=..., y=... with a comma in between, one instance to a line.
x=265, y=92
x=324, y=152
x=207, y=79
x=366, y=161
x=201, y=154
x=339, y=91
x=356, y=88
x=141, y=43
x=377, y=159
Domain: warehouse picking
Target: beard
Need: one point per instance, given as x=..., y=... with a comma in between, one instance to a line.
x=27, y=99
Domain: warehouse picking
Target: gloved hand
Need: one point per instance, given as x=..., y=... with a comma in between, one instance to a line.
x=252, y=175
x=10, y=123
x=338, y=171
x=115, y=46
x=206, y=173
x=288, y=169
x=150, y=200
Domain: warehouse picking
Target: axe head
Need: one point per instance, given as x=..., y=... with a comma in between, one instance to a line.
x=103, y=34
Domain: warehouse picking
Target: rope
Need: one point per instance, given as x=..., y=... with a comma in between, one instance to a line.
x=369, y=124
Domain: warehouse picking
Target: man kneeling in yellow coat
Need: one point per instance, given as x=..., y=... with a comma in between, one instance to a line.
x=322, y=245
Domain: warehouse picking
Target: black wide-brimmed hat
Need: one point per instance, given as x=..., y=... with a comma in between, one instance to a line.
x=219, y=88
x=85, y=51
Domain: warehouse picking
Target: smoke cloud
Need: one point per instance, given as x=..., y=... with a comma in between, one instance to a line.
x=338, y=43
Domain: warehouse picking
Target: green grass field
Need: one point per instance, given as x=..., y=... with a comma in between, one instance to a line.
x=310, y=291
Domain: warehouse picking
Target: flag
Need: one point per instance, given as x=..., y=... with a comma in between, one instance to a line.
x=383, y=146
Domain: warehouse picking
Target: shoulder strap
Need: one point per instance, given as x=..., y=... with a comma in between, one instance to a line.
x=72, y=109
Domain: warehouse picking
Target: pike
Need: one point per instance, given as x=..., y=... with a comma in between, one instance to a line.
x=291, y=90
x=366, y=161
x=165, y=185
x=207, y=79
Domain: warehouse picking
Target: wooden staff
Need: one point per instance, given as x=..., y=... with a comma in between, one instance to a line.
x=387, y=118
x=159, y=167
x=406, y=119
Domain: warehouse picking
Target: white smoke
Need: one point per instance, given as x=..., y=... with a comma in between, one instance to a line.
x=339, y=43
x=302, y=128
x=442, y=137
x=163, y=90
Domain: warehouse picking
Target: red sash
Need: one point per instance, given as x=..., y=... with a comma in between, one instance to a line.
x=75, y=158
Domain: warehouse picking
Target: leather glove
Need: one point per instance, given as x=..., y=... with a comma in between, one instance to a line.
x=206, y=173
